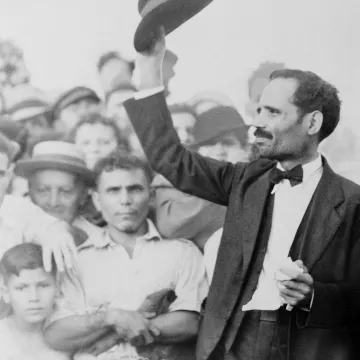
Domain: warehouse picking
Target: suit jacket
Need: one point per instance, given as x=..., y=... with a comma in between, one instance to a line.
x=331, y=251
x=179, y=215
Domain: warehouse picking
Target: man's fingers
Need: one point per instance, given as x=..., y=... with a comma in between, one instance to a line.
x=296, y=286
x=154, y=330
x=59, y=261
x=47, y=257
x=148, y=315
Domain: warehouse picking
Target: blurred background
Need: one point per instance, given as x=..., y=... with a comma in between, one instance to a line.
x=62, y=41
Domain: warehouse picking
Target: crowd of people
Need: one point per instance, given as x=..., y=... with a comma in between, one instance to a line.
x=108, y=244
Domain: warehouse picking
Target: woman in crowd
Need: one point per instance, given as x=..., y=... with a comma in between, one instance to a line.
x=97, y=136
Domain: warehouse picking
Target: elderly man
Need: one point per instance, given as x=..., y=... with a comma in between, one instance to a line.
x=21, y=220
x=125, y=271
x=58, y=183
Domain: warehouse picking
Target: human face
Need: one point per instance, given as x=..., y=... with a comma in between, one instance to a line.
x=184, y=125
x=115, y=69
x=31, y=295
x=227, y=147
x=97, y=141
x=280, y=132
x=123, y=197
x=59, y=193
x=115, y=108
x=72, y=114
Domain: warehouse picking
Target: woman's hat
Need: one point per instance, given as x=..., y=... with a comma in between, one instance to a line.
x=167, y=13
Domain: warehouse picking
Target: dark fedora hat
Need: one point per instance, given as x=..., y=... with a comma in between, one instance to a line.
x=167, y=13
x=219, y=120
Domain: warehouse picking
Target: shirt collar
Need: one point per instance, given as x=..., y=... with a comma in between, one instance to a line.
x=105, y=240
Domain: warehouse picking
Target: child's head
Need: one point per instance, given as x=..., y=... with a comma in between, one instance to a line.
x=28, y=288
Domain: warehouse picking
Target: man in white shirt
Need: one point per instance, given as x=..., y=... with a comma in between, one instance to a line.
x=125, y=269
x=307, y=213
x=21, y=220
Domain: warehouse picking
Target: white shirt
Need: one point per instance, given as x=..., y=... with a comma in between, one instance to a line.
x=211, y=250
x=111, y=277
x=17, y=345
x=290, y=204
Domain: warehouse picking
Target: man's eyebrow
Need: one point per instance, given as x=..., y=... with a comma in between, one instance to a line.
x=271, y=108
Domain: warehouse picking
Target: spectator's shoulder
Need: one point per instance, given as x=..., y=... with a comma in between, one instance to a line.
x=181, y=247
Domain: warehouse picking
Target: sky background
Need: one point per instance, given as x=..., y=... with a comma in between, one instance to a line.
x=218, y=49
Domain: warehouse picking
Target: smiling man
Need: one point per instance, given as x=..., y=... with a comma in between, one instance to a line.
x=289, y=203
x=129, y=264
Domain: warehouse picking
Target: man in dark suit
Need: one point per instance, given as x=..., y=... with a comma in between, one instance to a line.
x=287, y=203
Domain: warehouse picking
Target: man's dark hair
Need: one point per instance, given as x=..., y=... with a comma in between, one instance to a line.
x=27, y=256
x=119, y=88
x=183, y=108
x=96, y=118
x=314, y=94
x=113, y=55
x=118, y=161
x=264, y=71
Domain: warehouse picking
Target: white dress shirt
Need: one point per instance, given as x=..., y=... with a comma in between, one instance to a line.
x=290, y=204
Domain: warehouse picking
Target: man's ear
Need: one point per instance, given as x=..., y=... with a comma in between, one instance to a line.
x=315, y=122
x=96, y=200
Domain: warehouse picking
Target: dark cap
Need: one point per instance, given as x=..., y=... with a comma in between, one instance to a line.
x=215, y=122
x=72, y=96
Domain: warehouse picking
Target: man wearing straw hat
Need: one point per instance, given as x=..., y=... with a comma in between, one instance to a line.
x=58, y=183
x=21, y=220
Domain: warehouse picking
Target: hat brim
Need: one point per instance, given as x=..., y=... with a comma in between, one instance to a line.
x=170, y=15
x=26, y=168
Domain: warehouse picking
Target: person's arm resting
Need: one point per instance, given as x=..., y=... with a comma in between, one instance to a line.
x=177, y=326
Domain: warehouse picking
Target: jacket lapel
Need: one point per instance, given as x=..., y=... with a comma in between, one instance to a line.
x=324, y=218
x=254, y=206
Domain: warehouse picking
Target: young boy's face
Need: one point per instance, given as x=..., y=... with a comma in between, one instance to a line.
x=31, y=295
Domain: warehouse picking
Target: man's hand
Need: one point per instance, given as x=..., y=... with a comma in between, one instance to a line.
x=298, y=291
x=149, y=63
x=133, y=327
x=57, y=242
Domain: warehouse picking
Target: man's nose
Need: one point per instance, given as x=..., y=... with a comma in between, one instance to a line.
x=33, y=294
x=125, y=197
x=54, y=198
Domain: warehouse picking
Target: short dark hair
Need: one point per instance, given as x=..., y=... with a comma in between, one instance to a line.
x=118, y=161
x=264, y=71
x=314, y=94
x=97, y=118
x=181, y=108
x=27, y=256
x=113, y=55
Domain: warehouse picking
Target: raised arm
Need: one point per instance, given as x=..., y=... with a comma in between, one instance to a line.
x=151, y=119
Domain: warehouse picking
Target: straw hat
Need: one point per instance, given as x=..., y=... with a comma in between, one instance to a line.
x=56, y=155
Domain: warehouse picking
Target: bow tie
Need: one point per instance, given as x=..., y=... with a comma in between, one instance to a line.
x=295, y=175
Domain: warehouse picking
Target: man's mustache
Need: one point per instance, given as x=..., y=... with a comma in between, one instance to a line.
x=262, y=134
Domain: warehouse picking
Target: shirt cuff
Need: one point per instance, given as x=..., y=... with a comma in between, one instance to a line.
x=142, y=94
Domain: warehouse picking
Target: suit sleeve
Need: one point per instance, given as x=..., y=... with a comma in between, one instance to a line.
x=189, y=172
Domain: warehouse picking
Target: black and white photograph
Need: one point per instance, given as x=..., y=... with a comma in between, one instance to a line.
x=179, y=180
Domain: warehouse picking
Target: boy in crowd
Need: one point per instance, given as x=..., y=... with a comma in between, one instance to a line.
x=30, y=292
